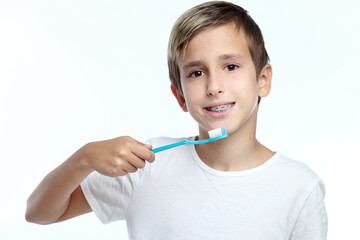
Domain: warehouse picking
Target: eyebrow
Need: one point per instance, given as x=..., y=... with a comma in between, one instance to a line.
x=221, y=57
x=230, y=56
x=192, y=64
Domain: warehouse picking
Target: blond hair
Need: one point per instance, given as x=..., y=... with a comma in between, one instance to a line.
x=210, y=14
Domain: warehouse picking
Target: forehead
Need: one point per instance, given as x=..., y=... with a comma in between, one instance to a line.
x=216, y=41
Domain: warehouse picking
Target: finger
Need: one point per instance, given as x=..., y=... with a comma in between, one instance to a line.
x=114, y=172
x=143, y=152
x=130, y=168
x=137, y=162
x=148, y=146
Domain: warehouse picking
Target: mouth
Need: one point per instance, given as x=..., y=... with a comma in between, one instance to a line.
x=219, y=108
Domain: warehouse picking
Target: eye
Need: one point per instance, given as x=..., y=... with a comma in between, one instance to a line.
x=196, y=74
x=231, y=67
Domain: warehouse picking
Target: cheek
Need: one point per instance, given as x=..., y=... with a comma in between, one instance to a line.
x=192, y=93
x=191, y=98
x=244, y=87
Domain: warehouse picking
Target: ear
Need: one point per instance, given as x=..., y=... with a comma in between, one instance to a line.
x=179, y=97
x=264, y=81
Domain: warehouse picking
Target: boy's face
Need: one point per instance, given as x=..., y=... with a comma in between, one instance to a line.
x=218, y=80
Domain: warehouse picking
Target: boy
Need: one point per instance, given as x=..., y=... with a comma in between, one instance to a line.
x=233, y=188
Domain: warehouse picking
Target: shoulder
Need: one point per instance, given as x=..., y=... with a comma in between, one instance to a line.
x=296, y=169
x=295, y=176
x=303, y=187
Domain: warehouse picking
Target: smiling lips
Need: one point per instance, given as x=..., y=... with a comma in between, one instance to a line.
x=218, y=111
x=220, y=108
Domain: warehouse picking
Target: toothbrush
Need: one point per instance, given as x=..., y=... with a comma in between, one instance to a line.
x=214, y=135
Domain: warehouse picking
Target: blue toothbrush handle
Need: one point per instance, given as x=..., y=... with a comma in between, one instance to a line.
x=159, y=149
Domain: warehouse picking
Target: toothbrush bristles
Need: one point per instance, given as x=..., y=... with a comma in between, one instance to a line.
x=217, y=132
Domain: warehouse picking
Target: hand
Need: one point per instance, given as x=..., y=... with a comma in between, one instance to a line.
x=117, y=157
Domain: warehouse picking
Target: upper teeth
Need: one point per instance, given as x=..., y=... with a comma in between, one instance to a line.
x=219, y=108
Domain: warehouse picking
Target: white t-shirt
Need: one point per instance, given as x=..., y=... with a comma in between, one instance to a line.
x=180, y=197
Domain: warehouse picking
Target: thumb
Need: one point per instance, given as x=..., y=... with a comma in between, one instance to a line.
x=148, y=146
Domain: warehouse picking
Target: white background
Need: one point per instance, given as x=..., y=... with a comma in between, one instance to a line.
x=72, y=72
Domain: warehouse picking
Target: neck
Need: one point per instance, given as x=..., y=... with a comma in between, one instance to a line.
x=239, y=151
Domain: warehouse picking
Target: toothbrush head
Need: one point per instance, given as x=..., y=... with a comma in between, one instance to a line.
x=217, y=132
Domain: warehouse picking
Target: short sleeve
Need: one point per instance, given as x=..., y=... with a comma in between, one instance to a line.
x=109, y=198
x=312, y=222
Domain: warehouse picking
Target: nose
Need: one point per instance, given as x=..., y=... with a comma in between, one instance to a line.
x=214, y=86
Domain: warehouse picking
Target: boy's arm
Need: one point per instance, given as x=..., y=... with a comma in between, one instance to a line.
x=57, y=193
x=59, y=196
